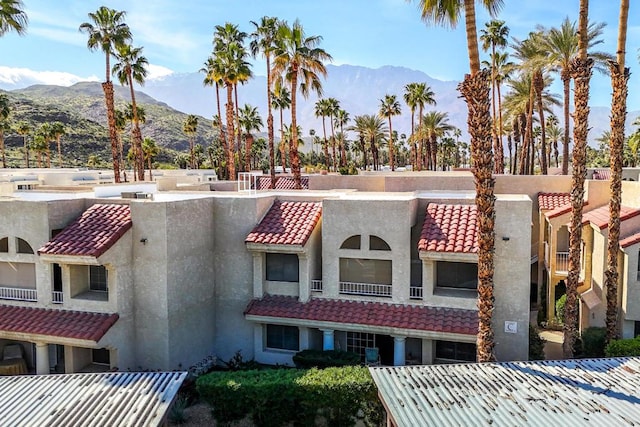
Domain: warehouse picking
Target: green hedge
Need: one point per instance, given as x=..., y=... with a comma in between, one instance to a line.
x=306, y=359
x=621, y=348
x=593, y=342
x=341, y=396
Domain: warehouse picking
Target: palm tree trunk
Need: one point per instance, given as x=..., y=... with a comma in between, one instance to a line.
x=293, y=148
x=236, y=116
x=270, y=135
x=619, y=83
x=475, y=90
x=566, y=89
x=58, y=138
x=421, y=141
x=231, y=165
x=414, y=151
x=434, y=151
x=2, y=151
x=283, y=144
x=107, y=87
x=343, y=152
x=248, y=140
x=391, y=148
x=510, y=146
x=500, y=130
x=333, y=145
x=325, y=147
x=538, y=81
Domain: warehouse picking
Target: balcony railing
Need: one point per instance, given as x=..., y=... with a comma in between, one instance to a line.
x=562, y=262
x=367, y=289
x=415, y=292
x=316, y=286
x=57, y=298
x=18, y=294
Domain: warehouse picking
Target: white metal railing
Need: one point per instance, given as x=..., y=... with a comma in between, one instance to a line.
x=415, y=292
x=316, y=286
x=546, y=254
x=56, y=297
x=247, y=182
x=18, y=294
x=562, y=262
x=369, y=289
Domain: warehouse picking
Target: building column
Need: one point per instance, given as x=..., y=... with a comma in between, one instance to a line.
x=327, y=339
x=42, y=358
x=304, y=283
x=398, y=350
x=258, y=275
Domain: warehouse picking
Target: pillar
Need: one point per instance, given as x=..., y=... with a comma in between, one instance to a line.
x=42, y=358
x=304, y=283
x=258, y=275
x=398, y=350
x=327, y=339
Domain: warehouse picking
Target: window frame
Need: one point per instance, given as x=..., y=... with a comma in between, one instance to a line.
x=457, y=352
x=95, y=283
x=280, y=266
x=279, y=332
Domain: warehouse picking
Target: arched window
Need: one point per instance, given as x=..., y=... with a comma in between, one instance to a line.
x=377, y=244
x=352, y=242
x=22, y=247
x=4, y=245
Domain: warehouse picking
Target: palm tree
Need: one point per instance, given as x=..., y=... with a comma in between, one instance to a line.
x=581, y=73
x=619, y=83
x=250, y=121
x=39, y=145
x=24, y=129
x=150, y=150
x=341, y=119
x=434, y=126
x=554, y=132
x=132, y=68
x=495, y=35
x=281, y=100
x=263, y=40
x=12, y=17
x=58, y=130
x=417, y=96
x=190, y=128
x=321, y=110
x=121, y=124
x=213, y=77
x=389, y=107
x=107, y=32
x=44, y=134
x=5, y=110
x=300, y=61
x=475, y=90
x=371, y=130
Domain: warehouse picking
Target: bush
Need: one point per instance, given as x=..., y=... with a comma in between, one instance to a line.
x=306, y=359
x=237, y=363
x=562, y=301
x=593, y=342
x=621, y=348
x=176, y=414
x=276, y=397
x=536, y=344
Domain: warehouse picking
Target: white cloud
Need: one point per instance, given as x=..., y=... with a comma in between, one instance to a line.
x=157, y=71
x=15, y=78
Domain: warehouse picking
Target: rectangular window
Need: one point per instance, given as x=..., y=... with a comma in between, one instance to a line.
x=357, y=342
x=101, y=356
x=376, y=271
x=459, y=275
x=283, y=337
x=98, y=278
x=282, y=267
x=460, y=351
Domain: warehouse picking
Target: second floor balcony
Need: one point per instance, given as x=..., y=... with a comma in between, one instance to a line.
x=18, y=294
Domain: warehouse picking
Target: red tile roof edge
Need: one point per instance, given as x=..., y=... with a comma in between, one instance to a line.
x=60, y=323
x=625, y=214
x=415, y=317
x=553, y=213
x=450, y=228
x=295, y=230
x=630, y=240
x=542, y=200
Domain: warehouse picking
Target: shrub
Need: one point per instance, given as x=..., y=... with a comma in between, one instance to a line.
x=237, y=363
x=176, y=414
x=593, y=342
x=562, y=301
x=276, y=397
x=621, y=348
x=536, y=344
x=306, y=359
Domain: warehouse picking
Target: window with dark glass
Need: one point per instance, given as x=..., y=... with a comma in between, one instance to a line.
x=98, y=278
x=377, y=244
x=23, y=247
x=375, y=271
x=4, y=245
x=460, y=275
x=450, y=350
x=282, y=267
x=352, y=242
x=101, y=356
x=283, y=337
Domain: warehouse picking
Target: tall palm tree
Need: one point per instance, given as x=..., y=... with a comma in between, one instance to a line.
x=107, y=31
x=333, y=106
x=580, y=69
x=341, y=119
x=263, y=40
x=418, y=95
x=12, y=17
x=58, y=130
x=412, y=103
x=301, y=62
x=281, y=100
x=619, y=83
x=434, y=125
x=213, y=77
x=493, y=36
x=389, y=107
x=45, y=131
x=132, y=67
x=190, y=128
x=561, y=47
x=121, y=124
x=5, y=110
x=372, y=131
x=24, y=129
x=554, y=132
x=475, y=90
x=322, y=110
x=250, y=121
x=150, y=150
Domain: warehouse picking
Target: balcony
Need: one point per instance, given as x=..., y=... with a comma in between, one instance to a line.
x=562, y=262
x=18, y=294
x=365, y=289
x=415, y=292
x=57, y=298
x=316, y=286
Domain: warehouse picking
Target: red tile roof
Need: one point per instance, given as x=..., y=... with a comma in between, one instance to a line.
x=630, y=240
x=549, y=201
x=93, y=233
x=416, y=317
x=602, y=174
x=449, y=228
x=58, y=323
x=600, y=216
x=282, y=183
x=287, y=223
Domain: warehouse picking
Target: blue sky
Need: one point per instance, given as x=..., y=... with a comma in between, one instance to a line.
x=176, y=35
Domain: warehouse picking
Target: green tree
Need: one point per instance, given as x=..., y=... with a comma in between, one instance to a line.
x=417, y=95
x=389, y=107
x=24, y=129
x=107, y=31
x=322, y=110
x=150, y=150
x=341, y=119
x=58, y=130
x=190, y=128
x=301, y=62
x=12, y=17
x=281, y=100
x=434, y=125
x=250, y=121
x=5, y=110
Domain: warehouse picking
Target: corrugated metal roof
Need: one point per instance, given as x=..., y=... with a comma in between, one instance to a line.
x=103, y=399
x=542, y=393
